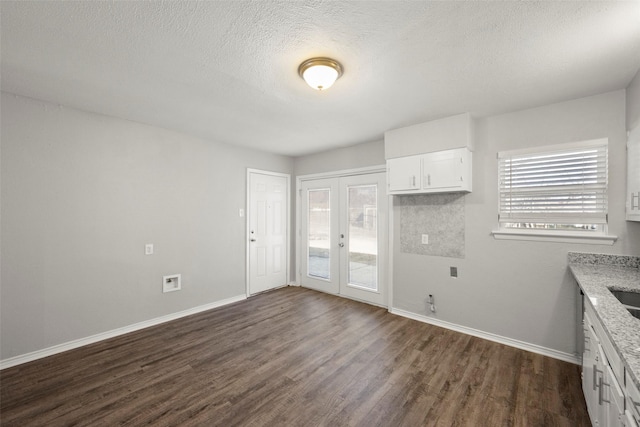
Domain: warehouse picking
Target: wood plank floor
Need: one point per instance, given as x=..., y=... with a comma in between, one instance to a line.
x=294, y=357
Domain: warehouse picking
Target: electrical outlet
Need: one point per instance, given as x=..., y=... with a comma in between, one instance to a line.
x=425, y=239
x=148, y=249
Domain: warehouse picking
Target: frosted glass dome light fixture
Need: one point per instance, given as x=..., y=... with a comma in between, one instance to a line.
x=320, y=73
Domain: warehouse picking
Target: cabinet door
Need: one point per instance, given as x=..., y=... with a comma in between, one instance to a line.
x=442, y=170
x=633, y=400
x=589, y=370
x=403, y=174
x=602, y=402
x=612, y=399
x=633, y=176
x=628, y=419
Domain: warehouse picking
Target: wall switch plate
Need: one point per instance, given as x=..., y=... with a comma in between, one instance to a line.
x=148, y=249
x=241, y=213
x=453, y=271
x=425, y=239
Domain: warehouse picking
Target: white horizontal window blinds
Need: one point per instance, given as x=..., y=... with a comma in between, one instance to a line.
x=564, y=184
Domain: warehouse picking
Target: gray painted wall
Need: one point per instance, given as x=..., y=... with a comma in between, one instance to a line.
x=633, y=102
x=518, y=289
x=81, y=195
x=356, y=156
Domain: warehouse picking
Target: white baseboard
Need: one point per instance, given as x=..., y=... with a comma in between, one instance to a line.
x=560, y=355
x=39, y=354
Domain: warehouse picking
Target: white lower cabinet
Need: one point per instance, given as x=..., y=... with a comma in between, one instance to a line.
x=613, y=399
x=589, y=369
x=632, y=402
x=610, y=402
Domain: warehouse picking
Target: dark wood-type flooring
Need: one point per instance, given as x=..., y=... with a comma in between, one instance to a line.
x=294, y=357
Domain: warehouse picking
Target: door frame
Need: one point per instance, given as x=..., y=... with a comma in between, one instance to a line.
x=385, y=260
x=247, y=246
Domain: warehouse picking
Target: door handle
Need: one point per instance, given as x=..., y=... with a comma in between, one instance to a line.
x=601, y=384
x=341, y=245
x=252, y=240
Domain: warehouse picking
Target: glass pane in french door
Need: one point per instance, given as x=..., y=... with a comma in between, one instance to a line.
x=363, y=236
x=319, y=240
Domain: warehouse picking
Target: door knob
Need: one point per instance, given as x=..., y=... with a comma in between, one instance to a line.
x=341, y=245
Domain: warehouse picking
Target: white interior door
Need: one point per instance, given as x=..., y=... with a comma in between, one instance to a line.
x=267, y=231
x=344, y=236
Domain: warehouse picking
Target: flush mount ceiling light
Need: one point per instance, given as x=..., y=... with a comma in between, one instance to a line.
x=320, y=73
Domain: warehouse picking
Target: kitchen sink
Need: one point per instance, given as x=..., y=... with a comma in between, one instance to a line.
x=630, y=300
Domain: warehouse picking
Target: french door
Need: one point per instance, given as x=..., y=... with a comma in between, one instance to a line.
x=344, y=236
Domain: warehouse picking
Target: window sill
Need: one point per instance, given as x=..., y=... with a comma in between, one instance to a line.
x=555, y=237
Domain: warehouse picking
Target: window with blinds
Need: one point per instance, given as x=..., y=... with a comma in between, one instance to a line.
x=561, y=187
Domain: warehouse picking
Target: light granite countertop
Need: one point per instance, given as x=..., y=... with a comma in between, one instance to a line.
x=596, y=275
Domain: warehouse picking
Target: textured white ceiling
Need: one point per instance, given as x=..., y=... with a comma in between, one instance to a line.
x=227, y=71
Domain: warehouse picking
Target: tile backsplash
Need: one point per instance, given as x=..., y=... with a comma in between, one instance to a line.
x=440, y=216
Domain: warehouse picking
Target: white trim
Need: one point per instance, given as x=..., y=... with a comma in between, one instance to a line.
x=248, y=223
x=555, y=354
x=556, y=147
x=50, y=351
x=344, y=172
x=555, y=237
x=390, y=252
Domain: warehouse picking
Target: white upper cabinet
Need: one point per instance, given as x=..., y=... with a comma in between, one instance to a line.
x=439, y=172
x=633, y=175
x=431, y=157
x=404, y=174
x=448, y=170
